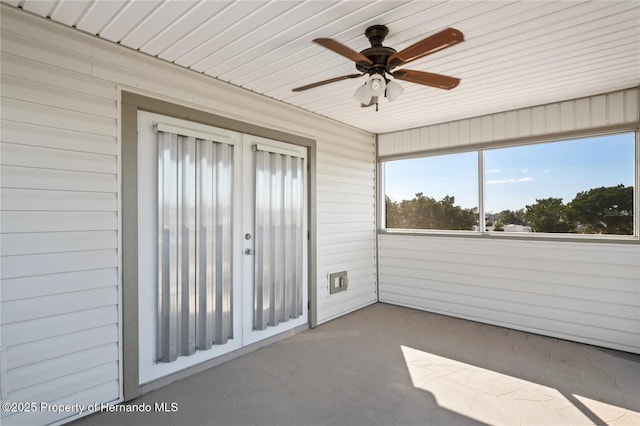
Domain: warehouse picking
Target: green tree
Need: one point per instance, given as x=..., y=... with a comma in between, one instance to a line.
x=604, y=210
x=455, y=217
x=548, y=215
x=392, y=215
x=424, y=212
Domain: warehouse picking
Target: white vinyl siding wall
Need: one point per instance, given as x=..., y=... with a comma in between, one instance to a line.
x=583, y=291
x=60, y=202
x=59, y=241
x=575, y=291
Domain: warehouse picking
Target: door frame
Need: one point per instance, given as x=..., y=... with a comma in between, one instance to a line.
x=130, y=103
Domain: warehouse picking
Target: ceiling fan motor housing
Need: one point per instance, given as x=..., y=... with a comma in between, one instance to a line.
x=377, y=53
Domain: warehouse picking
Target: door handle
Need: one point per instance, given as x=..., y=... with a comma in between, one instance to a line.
x=248, y=252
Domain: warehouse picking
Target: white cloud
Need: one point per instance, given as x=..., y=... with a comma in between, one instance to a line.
x=492, y=171
x=524, y=171
x=524, y=179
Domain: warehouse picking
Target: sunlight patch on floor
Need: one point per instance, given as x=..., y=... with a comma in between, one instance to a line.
x=496, y=398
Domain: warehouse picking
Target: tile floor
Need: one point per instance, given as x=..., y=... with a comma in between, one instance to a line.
x=387, y=365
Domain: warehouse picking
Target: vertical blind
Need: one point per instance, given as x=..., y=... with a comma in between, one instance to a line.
x=195, y=187
x=278, y=238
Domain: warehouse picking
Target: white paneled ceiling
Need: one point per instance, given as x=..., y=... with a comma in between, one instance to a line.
x=515, y=53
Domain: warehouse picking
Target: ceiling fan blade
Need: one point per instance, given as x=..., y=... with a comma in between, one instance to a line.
x=373, y=101
x=427, y=78
x=439, y=41
x=343, y=50
x=323, y=82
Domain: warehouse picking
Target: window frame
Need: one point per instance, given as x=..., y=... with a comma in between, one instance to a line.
x=480, y=149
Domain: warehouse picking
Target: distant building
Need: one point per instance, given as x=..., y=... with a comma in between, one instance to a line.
x=517, y=228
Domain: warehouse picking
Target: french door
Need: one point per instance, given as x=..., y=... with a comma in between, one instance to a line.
x=222, y=244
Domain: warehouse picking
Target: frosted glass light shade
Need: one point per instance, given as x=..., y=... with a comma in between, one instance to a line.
x=376, y=85
x=361, y=94
x=393, y=91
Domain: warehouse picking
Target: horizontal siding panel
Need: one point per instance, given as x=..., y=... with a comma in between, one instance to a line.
x=59, y=304
x=19, y=45
x=345, y=185
x=106, y=391
x=529, y=285
x=56, y=242
x=61, y=180
x=353, y=206
x=38, y=200
x=48, y=137
x=362, y=147
x=43, y=328
x=71, y=384
x=615, y=339
x=23, y=377
x=560, y=316
x=42, y=94
x=535, y=250
x=330, y=229
x=526, y=265
x=58, y=221
x=44, y=285
x=345, y=197
x=580, y=291
x=43, y=115
x=541, y=275
x=497, y=267
x=363, y=248
x=342, y=262
x=53, y=263
x=37, y=72
x=57, y=159
x=42, y=350
x=346, y=217
x=355, y=237
x=331, y=169
x=31, y=31
x=348, y=156
x=524, y=300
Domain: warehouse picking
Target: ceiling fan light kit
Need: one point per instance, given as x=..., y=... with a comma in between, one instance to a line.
x=393, y=91
x=378, y=61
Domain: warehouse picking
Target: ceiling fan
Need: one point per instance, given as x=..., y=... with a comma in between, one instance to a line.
x=378, y=61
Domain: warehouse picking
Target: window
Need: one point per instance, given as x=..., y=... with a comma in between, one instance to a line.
x=439, y=192
x=578, y=186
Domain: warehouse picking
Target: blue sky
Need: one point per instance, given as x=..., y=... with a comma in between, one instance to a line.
x=515, y=177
